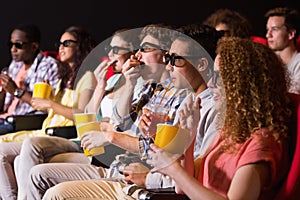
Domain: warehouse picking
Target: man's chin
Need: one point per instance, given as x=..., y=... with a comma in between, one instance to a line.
x=274, y=48
x=16, y=58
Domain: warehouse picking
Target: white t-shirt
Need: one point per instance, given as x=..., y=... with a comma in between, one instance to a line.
x=106, y=107
x=294, y=73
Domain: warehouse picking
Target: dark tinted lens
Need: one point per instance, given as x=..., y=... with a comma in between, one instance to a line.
x=116, y=50
x=142, y=49
x=147, y=49
x=18, y=45
x=177, y=61
x=170, y=58
x=65, y=43
x=167, y=58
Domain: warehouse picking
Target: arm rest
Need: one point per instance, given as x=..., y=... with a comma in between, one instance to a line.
x=104, y=160
x=161, y=193
x=27, y=122
x=67, y=132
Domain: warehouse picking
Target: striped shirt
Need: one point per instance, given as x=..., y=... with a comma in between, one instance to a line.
x=169, y=96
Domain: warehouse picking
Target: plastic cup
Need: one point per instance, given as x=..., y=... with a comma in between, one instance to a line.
x=158, y=115
x=42, y=90
x=86, y=122
x=171, y=138
x=165, y=133
x=86, y=127
x=84, y=118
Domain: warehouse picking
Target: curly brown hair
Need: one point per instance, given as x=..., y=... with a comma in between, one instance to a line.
x=255, y=85
x=239, y=25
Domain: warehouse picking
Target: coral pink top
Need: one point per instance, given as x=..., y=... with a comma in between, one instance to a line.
x=218, y=167
x=19, y=80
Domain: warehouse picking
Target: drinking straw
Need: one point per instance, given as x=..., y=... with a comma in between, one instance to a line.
x=164, y=94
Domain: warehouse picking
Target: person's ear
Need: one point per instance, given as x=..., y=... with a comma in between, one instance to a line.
x=35, y=46
x=203, y=64
x=292, y=34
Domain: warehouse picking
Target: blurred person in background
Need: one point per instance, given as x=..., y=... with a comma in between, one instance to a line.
x=282, y=32
x=28, y=66
x=231, y=22
x=74, y=45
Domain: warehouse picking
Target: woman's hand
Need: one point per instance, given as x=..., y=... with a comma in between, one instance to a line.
x=189, y=113
x=41, y=104
x=131, y=71
x=100, y=73
x=161, y=160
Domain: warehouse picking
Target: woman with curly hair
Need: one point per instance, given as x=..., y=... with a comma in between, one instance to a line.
x=249, y=157
x=74, y=45
x=232, y=22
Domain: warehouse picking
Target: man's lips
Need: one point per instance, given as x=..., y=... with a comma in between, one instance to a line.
x=14, y=56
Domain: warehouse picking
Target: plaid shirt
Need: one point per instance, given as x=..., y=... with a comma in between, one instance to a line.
x=43, y=68
x=167, y=97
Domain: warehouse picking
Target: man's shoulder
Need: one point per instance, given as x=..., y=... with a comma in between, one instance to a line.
x=296, y=58
x=294, y=62
x=49, y=59
x=41, y=60
x=45, y=67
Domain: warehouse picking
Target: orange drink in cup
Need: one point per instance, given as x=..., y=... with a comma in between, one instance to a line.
x=165, y=134
x=171, y=138
x=158, y=114
x=42, y=90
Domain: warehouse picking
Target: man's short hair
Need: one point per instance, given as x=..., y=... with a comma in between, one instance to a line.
x=291, y=17
x=33, y=33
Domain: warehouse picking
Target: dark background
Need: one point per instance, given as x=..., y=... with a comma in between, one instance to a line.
x=103, y=17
